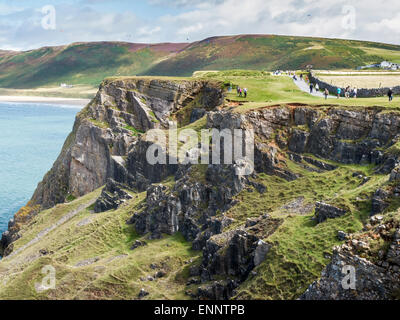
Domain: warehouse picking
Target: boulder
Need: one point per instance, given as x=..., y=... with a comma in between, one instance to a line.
x=138, y=244
x=370, y=281
x=298, y=141
x=395, y=174
x=143, y=293
x=261, y=252
x=197, y=113
x=342, y=235
x=324, y=211
x=380, y=201
x=189, y=207
x=218, y=290
x=112, y=196
x=393, y=255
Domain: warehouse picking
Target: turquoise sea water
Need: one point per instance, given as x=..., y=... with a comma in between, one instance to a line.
x=31, y=138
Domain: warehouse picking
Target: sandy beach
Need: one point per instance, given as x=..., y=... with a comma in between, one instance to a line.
x=50, y=100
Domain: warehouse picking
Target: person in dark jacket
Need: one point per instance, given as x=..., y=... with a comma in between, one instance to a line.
x=390, y=94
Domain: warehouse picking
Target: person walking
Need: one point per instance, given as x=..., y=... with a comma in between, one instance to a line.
x=355, y=93
x=317, y=87
x=339, y=92
x=245, y=92
x=347, y=93
x=326, y=93
x=311, y=88
x=390, y=94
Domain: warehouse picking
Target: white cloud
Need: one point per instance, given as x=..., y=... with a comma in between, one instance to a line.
x=292, y=17
x=386, y=25
x=185, y=3
x=201, y=19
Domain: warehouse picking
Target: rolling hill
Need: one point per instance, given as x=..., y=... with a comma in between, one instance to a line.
x=79, y=63
x=90, y=63
x=269, y=52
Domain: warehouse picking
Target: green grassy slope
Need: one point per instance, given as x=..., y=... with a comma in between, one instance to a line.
x=301, y=247
x=80, y=63
x=90, y=63
x=266, y=90
x=92, y=258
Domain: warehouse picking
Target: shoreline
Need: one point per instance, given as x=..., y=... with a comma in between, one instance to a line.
x=48, y=100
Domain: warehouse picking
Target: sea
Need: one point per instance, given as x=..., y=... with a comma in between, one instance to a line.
x=31, y=138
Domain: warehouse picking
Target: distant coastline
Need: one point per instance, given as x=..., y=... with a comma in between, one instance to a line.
x=48, y=100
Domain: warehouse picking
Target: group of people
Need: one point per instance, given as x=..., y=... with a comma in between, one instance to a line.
x=348, y=92
x=281, y=72
x=241, y=92
x=317, y=89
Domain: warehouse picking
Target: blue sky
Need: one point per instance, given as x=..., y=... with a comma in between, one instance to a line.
x=152, y=21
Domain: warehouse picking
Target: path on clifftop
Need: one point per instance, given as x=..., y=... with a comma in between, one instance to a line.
x=304, y=86
x=46, y=231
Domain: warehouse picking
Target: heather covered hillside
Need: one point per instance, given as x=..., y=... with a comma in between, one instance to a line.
x=79, y=63
x=90, y=63
x=269, y=52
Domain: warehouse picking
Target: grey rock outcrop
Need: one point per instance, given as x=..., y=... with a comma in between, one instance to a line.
x=189, y=205
x=261, y=252
x=337, y=134
x=350, y=137
x=143, y=293
x=395, y=174
x=107, y=131
x=356, y=272
x=103, y=133
x=138, y=244
x=342, y=235
x=218, y=290
x=112, y=196
x=384, y=196
x=371, y=281
x=380, y=201
x=324, y=211
x=393, y=255
x=234, y=254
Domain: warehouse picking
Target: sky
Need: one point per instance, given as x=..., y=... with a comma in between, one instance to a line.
x=31, y=24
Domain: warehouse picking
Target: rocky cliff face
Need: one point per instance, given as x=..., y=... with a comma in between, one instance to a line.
x=108, y=147
x=196, y=208
x=345, y=136
x=109, y=125
x=98, y=147
x=366, y=267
